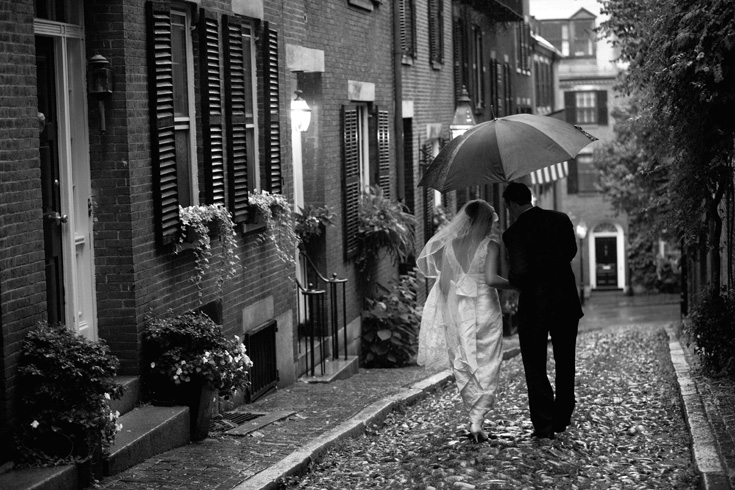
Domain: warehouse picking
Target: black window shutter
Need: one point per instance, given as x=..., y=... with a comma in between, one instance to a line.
x=409, y=185
x=211, y=83
x=459, y=80
x=383, y=140
x=428, y=194
x=160, y=88
x=237, y=155
x=570, y=107
x=573, y=177
x=273, y=181
x=602, y=107
x=350, y=178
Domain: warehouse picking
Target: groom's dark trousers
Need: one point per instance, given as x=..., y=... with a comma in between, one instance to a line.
x=540, y=246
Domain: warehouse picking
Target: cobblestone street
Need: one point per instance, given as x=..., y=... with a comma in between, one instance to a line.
x=627, y=432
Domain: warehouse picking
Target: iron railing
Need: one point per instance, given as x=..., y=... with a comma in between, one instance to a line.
x=321, y=306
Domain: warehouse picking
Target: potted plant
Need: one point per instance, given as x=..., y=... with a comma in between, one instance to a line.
x=384, y=226
x=60, y=418
x=311, y=221
x=275, y=211
x=198, y=223
x=190, y=352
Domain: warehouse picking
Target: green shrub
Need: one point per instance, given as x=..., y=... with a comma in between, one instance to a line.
x=179, y=349
x=65, y=382
x=390, y=326
x=711, y=327
x=383, y=226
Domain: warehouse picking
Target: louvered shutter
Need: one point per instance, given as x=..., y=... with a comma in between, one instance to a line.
x=459, y=81
x=350, y=178
x=570, y=107
x=211, y=82
x=428, y=194
x=235, y=114
x=383, y=140
x=602, y=107
x=161, y=102
x=273, y=181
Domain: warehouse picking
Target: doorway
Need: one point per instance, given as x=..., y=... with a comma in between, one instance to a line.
x=65, y=174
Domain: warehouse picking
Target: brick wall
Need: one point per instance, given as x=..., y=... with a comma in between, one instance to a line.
x=22, y=278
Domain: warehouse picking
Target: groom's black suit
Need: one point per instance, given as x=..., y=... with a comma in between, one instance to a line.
x=540, y=245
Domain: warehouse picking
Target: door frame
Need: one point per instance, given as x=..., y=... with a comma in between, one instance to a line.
x=599, y=231
x=74, y=173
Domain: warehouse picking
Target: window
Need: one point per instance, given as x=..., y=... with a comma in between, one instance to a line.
x=250, y=106
x=479, y=78
x=494, y=87
x=586, y=107
x=574, y=37
x=363, y=128
x=523, y=48
x=583, y=37
x=582, y=175
x=184, y=113
x=436, y=32
x=408, y=30
x=507, y=91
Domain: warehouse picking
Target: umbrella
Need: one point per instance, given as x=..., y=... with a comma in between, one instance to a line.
x=503, y=150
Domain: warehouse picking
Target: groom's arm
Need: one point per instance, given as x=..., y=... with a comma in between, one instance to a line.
x=518, y=259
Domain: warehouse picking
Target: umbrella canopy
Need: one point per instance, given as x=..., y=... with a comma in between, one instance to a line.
x=503, y=150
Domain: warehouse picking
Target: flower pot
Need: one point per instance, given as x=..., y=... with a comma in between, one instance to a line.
x=201, y=401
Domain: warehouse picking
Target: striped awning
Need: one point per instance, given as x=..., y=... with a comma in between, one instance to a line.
x=550, y=174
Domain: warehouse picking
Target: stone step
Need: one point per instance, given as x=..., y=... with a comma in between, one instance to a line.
x=147, y=431
x=53, y=478
x=334, y=369
x=131, y=394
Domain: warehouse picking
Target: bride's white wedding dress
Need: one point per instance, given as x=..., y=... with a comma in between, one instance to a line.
x=464, y=331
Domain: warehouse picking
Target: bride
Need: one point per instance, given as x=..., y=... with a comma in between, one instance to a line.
x=462, y=323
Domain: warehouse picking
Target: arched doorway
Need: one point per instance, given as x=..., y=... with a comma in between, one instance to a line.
x=607, y=256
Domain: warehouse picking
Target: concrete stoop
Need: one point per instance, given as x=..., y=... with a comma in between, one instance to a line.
x=334, y=369
x=147, y=431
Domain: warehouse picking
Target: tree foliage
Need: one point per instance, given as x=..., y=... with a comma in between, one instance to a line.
x=680, y=69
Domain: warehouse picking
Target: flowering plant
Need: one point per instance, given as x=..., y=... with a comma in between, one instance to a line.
x=276, y=211
x=201, y=220
x=56, y=409
x=192, y=348
x=311, y=220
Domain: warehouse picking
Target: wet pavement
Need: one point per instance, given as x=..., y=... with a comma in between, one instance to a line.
x=315, y=417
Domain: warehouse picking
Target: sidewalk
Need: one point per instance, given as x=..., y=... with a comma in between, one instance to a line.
x=310, y=417
x=293, y=426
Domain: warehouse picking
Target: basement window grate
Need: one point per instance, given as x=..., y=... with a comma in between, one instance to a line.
x=240, y=418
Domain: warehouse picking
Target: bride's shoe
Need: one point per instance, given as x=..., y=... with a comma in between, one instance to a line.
x=476, y=432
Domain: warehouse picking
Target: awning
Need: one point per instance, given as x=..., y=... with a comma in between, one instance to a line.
x=550, y=174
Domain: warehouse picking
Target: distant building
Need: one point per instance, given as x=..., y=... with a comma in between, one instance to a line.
x=586, y=95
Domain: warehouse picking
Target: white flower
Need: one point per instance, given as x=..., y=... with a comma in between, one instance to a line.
x=153, y=365
x=118, y=427
x=35, y=424
x=178, y=372
x=107, y=396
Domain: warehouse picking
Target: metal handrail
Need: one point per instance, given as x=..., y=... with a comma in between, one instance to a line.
x=333, y=285
x=313, y=307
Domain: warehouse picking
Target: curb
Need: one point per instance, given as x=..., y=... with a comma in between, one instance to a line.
x=704, y=445
x=299, y=461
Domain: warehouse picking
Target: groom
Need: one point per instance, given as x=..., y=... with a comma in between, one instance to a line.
x=540, y=245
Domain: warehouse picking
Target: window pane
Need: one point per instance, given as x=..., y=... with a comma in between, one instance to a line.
x=583, y=37
x=586, y=173
x=178, y=42
x=586, y=107
x=247, y=44
x=183, y=172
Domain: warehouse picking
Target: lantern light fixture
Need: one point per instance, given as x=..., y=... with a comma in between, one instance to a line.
x=463, y=117
x=300, y=113
x=100, y=83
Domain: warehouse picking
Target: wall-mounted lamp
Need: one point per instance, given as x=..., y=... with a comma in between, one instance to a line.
x=100, y=83
x=581, y=233
x=463, y=118
x=300, y=113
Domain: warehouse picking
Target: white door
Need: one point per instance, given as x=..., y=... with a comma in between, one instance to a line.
x=60, y=49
